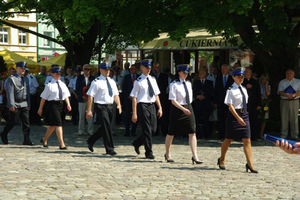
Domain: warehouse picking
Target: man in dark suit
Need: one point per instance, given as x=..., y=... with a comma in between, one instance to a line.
x=126, y=88
x=83, y=82
x=162, y=82
x=202, y=93
x=254, y=102
x=222, y=83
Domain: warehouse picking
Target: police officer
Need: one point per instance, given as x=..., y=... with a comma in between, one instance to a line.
x=144, y=94
x=18, y=103
x=103, y=92
x=182, y=119
x=55, y=92
x=237, y=121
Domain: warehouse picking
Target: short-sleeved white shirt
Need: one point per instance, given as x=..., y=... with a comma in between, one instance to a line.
x=177, y=91
x=140, y=89
x=51, y=92
x=235, y=97
x=283, y=84
x=33, y=84
x=72, y=83
x=99, y=90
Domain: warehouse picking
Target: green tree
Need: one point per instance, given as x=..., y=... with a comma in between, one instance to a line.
x=3, y=67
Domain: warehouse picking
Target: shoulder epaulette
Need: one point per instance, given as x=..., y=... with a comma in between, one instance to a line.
x=229, y=88
x=31, y=77
x=139, y=78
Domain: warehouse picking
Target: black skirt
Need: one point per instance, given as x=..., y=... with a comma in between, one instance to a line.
x=180, y=123
x=55, y=109
x=234, y=130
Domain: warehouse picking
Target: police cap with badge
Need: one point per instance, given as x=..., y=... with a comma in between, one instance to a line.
x=146, y=63
x=239, y=71
x=55, y=69
x=184, y=68
x=104, y=65
x=21, y=64
x=77, y=69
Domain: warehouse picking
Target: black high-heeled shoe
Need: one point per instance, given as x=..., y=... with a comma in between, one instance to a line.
x=63, y=148
x=221, y=167
x=251, y=170
x=195, y=161
x=44, y=145
x=168, y=160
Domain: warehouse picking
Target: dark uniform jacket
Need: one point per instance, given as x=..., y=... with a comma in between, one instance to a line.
x=80, y=83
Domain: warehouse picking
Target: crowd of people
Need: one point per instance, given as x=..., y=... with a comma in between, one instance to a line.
x=161, y=103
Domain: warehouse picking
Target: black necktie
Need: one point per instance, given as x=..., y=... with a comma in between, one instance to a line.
x=22, y=77
x=187, y=97
x=151, y=91
x=59, y=91
x=109, y=87
x=244, y=99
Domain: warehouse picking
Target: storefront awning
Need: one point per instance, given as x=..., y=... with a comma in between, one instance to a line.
x=195, y=39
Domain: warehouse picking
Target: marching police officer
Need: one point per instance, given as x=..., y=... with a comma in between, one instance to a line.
x=237, y=121
x=144, y=94
x=18, y=103
x=103, y=92
x=55, y=93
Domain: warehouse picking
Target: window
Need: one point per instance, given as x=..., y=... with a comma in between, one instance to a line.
x=47, y=43
x=4, y=35
x=22, y=37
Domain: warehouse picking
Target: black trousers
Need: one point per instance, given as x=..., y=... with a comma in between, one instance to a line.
x=20, y=113
x=127, y=119
x=74, y=105
x=33, y=116
x=222, y=111
x=148, y=120
x=104, y=114
x=202, y=110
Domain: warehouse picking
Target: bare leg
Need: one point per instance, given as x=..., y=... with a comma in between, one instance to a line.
x=248, y=151
x=59, y=135
x=49, y=131
x=193, y=145
x=224, y=149
x=168, y=143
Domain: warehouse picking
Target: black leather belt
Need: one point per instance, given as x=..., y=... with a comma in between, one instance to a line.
x=240, y=110
x=147, y=103
x=20, y=101
x=185, y=106
x=108, y=105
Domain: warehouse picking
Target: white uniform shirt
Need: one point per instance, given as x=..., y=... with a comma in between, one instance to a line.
x=33, y=84
x=140, y=89
x=235, y=97
x=283, y=84
x=51, y=92
x=211, y=78
x=72, y=83
x=177, y=91
x=99, y=90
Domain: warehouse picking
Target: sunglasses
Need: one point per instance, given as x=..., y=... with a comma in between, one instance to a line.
x=86, y=69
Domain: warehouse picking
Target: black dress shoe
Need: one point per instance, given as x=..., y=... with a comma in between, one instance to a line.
x=27, y=142
x=136, y=148
x=150, y=156
x=63, y=148
x=112, y=153
x=44, y=145
x=133, y=134
x=90, y=146
x=4, y=138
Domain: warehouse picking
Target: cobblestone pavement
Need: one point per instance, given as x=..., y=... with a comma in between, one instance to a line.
x=34, y=172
